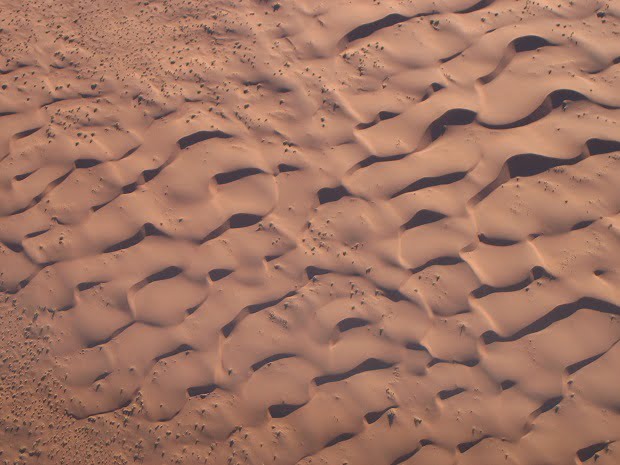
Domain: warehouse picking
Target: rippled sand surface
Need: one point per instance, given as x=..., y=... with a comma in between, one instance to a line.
x=310, y=232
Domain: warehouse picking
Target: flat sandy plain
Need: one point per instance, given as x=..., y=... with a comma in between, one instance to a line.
x=310, y=232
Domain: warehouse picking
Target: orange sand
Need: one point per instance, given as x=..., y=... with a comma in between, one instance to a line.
x=310, y=232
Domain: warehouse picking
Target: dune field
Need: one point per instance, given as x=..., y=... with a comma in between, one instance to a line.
x=310, y=232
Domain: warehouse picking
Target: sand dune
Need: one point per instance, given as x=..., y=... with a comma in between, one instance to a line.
x=302, y=232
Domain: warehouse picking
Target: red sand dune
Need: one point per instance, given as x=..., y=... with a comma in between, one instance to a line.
x=310, y=232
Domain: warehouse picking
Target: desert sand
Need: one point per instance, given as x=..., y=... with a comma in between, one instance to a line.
x=344, y=232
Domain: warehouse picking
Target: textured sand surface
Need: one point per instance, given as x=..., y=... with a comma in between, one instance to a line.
x=310, y=232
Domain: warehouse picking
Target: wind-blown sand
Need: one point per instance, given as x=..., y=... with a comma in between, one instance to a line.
x=310, y=232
